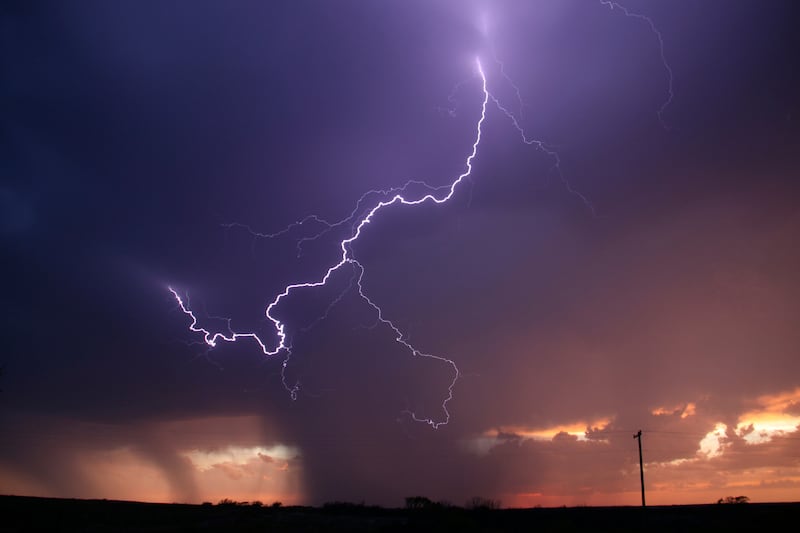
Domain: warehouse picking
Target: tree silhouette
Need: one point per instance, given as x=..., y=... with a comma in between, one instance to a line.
x=734, y=499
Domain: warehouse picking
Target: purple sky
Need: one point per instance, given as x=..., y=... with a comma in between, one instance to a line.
x=134, y=134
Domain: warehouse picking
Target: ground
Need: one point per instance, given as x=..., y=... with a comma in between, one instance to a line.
x=25, y=513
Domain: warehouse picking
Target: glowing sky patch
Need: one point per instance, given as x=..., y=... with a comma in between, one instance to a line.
x=761, y=428
x=776, y=415
x=238, y=455
x=685, y=410
x=482, y=444
x=575, y=429
x=713, y=444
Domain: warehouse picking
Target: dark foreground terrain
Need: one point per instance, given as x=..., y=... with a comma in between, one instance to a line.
x=24, y=513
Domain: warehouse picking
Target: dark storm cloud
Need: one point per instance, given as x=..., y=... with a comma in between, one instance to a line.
x=17, y=213
x=133, y=131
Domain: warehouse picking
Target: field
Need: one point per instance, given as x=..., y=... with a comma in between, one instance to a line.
x=26, y=513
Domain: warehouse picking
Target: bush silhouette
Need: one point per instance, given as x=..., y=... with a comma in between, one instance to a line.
x=418, y=502
x=478, y=503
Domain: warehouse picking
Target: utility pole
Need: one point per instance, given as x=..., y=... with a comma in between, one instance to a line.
x=638, y=436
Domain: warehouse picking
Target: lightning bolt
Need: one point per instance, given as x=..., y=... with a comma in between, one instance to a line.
x=362, y=215
x=539, y=144
x=547, y=150
x=670, y=94
x=395, y=197
x=513, y=85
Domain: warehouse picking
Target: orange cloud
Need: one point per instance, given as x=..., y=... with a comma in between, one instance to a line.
x=775, y=415
x=576, y=429
x=684, y=411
